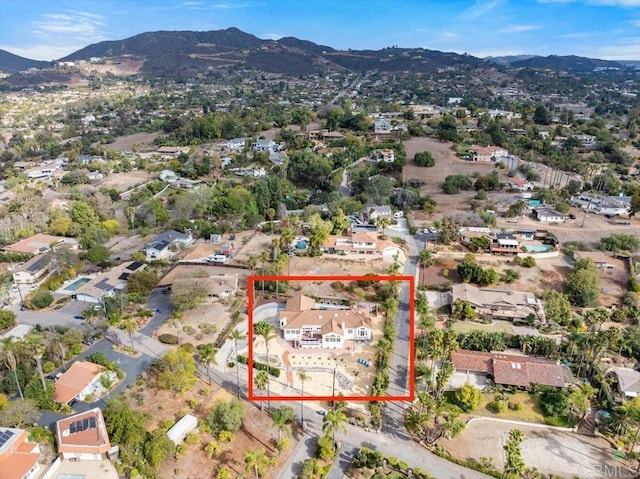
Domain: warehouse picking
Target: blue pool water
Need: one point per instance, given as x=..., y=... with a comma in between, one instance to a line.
x=539, y=248
x=301, y=244
x=77, y=283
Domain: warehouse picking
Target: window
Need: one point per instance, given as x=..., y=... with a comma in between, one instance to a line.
x=362, y=333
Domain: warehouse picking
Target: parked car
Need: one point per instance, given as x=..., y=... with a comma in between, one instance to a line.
x=572, y=216
x=78, y=317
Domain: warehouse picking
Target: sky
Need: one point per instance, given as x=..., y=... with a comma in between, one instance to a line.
x=607, y=29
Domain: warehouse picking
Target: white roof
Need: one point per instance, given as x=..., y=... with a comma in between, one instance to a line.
x=508, y=242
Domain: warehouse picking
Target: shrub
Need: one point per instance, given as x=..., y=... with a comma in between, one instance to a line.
x=168, y=338
x=515, y=406
x=188, y=347
x=273, y=371
x=498, y=405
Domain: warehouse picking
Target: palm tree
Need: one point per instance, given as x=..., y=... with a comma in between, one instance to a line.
x=258, y=461
x=38, y=358
x=514, y=466
x=252, y=262
x=11, y=361
x=426, y=258
x=383, y=222
x=208, y=358
x=266, y=330
x=282, y=417
x=262, y=382
x=334, y=421
x=237, y=335
x=286, y=237
x=129, y=327
x=303, y=376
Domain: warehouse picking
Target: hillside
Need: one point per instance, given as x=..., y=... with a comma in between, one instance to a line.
x=570, y=63
x=10, y=63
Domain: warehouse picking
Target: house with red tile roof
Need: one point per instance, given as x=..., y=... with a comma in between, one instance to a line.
x=19, y=458
x=79, y=381
x=83, y=436
x=307, y=326
x=512, y=369
x=40, y=243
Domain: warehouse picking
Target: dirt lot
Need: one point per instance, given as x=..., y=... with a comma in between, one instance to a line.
x=125, y=181
x=257, y=432
x=133, y=142
x=550, y=451
x=447, y=163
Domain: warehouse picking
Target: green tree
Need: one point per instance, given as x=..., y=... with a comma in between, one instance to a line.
x=303, y=376
x=424, y=158
x=620, y=243
x=514, y=464
x=98, y=255
x=226, y=416
x=262, y=382
x=467, y=397
x=208, y=357
x=557, y=307
x=258, y=462
x=267, y=331
x=19, y=414
x=157, y=446
x=426, y=258
x=542, y=116
x=582, y=285
x=454, y=183
x=141, y=283
x=282, y=418
x=176, y=371
x=237, y=335
x=334, y=421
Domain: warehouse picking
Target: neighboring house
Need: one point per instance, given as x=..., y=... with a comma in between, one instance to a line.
x=40, y=243
x=79, y=381
x=386, y=156
x=254, y=171
x=628, y=381
x=499, y=304
x=372, y=213
x=236, y=144
x=107, y=284
x=382, y=126
x=277, y=157
x=169, y=151
x=511, y=369
x=83, y=437
x=549, y=215
x=488, y=153
x=603, y=205
x=266, y=145
x=19, y=458
x=184, y=426
x=520, y=184
x=33, y=270
x=168, y=176
x=504, y=244
x=601, y=260
x=160, y=247
x=355, y=242
x=225, y=161
x=305, y=326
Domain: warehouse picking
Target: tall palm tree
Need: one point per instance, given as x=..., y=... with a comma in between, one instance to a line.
x=262, y=382
x=129, y=327
x=333, y=422
x=383, y=222
x=266, y=330
x=286, y=237
x=208, y=358
x=11, y=361
x=426, y=258
x=252, y=262
x=38, y=359
x=303, y=376
x=281, y=418
x=258, y=461
x=237, y=336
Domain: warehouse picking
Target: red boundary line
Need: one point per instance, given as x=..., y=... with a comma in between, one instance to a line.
x=250, y=291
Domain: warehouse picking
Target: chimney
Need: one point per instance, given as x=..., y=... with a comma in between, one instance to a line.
x=344, y=326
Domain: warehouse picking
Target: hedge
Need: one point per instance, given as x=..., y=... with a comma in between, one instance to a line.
x=168, y=339
x=273, y=371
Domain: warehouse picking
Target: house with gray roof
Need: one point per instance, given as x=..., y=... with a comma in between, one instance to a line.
x=161, y=246
x=628, y=381
x=34, y=270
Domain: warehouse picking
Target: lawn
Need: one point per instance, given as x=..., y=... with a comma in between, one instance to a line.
x=532, y=411
x=466, y=326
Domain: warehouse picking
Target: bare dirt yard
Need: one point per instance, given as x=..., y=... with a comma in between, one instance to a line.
x=447, y=163
x=257, y=431
x=125, y=181
x=551, y=451
x=138, y=141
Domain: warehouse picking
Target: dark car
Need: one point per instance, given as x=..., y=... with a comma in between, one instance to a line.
x=572, y=216
x=78, y=317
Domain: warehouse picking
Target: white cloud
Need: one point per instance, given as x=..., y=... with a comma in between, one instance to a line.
x=449, y=35
x=479, y=9
x=627, y=50
x=518, y=28
x=497, y=52
x=636, y=22
x=575, y=35
x=272, y=36
x=616, y=3
x=55, y=35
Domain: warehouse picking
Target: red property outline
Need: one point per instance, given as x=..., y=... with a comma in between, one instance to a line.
x=250, y=292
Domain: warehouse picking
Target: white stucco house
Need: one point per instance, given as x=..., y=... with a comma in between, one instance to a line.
x=160, y=246
x=307, y=326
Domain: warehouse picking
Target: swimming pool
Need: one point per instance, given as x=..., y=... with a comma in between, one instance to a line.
x=77, y=283
x=301, y=244
x=538, y=248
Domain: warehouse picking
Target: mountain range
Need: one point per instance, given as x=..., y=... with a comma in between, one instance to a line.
x=189, y=53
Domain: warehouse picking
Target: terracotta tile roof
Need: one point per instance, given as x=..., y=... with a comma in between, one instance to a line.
x=38, y=242
x=511, y=369
x=300, y=303
x=92, y=439
x=75, y=379
x=17, y=456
